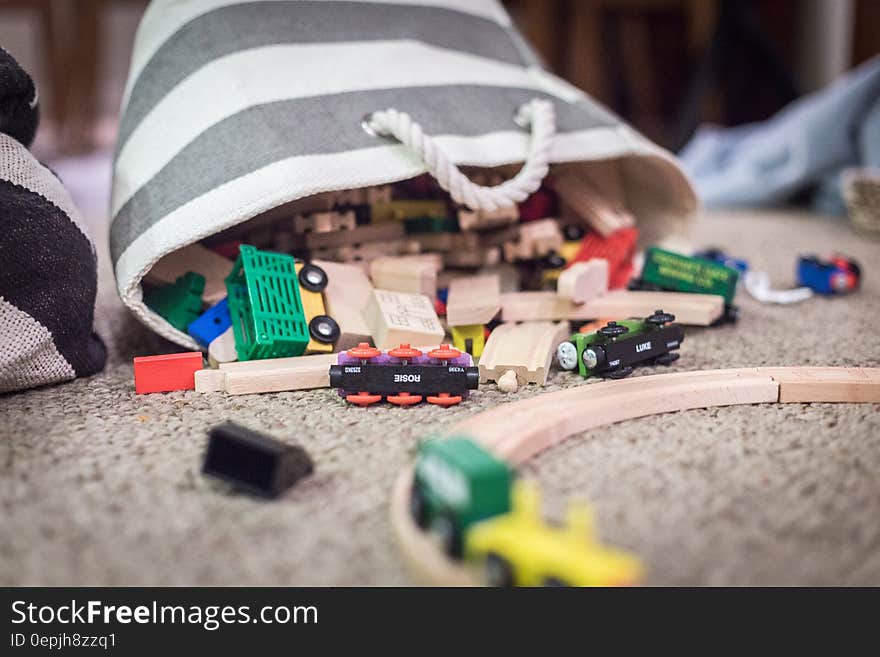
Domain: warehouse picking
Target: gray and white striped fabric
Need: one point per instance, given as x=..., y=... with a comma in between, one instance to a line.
x=236, y=107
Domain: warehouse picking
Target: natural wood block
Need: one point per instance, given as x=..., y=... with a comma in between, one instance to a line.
x=210, y=380
x=693, y=309
x=398, y=317
x=345, y=297
x=222, y=348
x=473, y=300
x=416, y=274
x=200, y=259
x=361, y=235
x=591, y=203
x=482, y=219
x=584, y=281
x=525, y=348
x=324, y=222
x=536, y=239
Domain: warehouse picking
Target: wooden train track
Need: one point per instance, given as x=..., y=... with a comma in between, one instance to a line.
x=519, y=430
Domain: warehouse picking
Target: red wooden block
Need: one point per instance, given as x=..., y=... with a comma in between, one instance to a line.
x=167, y=372
x=618, y=249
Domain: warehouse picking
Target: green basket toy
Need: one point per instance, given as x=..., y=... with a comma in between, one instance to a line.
x=267, y=313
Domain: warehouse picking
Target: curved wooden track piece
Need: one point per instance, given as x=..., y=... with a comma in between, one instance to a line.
x=518, y=430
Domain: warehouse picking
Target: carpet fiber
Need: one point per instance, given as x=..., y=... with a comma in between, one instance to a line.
x=100, y=486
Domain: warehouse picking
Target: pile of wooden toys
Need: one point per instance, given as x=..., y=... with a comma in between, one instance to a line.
x=361, y=278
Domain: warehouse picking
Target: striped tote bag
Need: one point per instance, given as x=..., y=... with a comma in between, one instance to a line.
x=234, y=108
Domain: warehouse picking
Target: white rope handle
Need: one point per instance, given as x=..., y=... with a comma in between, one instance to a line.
x=537, y=113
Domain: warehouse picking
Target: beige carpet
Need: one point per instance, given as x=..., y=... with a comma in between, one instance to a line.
x=100, y=486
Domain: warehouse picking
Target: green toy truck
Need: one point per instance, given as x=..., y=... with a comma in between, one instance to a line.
x=456, y=484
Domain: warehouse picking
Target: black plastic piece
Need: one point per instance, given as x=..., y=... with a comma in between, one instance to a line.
x=620, y=372
x=554, y=261
x=612, y=330
x=254, y=462
x=573, y=233
x=313, y=278
x=414, y=379
x=639, y=348
x=659, y=318
x=324, y=329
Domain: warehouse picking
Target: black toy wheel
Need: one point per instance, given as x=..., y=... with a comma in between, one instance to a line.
x=554, y=261
x=659, y=318
x=498, y=570
x=573, y=233
x=417, y=507
x=443, y=528
x=612, y=330
x=313, y=278
x=667, y=359
x=619, y=373
x=324, y=329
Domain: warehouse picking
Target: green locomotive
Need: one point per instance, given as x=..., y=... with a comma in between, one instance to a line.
x=614, y=349
x=456, y=484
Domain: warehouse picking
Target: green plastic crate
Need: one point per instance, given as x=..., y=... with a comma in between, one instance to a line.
x=267, y=313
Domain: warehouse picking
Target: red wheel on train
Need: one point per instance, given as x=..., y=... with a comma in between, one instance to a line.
x=404, y=399
x=405, y=352
x=444, y=352
x=364, y=351
x=444, y=399
x=363, y=399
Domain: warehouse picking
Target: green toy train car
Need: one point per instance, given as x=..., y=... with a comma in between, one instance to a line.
x=456, y=484
x=614, y=349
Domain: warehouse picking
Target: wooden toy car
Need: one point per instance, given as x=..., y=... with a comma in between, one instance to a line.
x=519, y=549
x=323, y=329
x=456, y=484
x=404, y=375
x=838, y=275
x=612, y=350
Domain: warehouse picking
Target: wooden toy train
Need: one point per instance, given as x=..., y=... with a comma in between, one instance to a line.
x=614, y=349
x=404, y=376
x=470, y=501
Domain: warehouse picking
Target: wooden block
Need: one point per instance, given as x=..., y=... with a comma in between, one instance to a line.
x=166, y=372
x=445, y=242
x=210, y=380
x=525, y=348
x=693, y=309
x=324, y=222
x=345, y=296
x=416, y=274
x=398, y=317
x=592, y=205
x=536, y=239
x=399, y=210
x=222, y=348
x=364, y=253
x=482, y=219
x=473, y=259
x=473, y=300
x=583, y=281
x=200, y=259
x=826, y=384
x=305, y=374
x=361, y=235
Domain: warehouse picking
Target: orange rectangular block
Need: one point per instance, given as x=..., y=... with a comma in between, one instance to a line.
x=166, y=372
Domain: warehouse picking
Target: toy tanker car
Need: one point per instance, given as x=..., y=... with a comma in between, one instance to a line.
x=612, y=350
x=520, y=549
x=404, y=376
x=456, y=484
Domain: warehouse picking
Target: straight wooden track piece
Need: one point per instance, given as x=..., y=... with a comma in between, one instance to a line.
x=594, y=207
x=200, y=259
x=584, y=281
x=525, y=348
x=693, y=309
x=473, y=300
x=535, y=239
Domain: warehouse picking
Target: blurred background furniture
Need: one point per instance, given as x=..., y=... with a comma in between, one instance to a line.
x=664, y=65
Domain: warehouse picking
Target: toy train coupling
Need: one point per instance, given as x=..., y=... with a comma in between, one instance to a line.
x=614, y=349
x=404, y=376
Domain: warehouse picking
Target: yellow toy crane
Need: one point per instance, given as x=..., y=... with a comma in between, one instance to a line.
x=520, y=549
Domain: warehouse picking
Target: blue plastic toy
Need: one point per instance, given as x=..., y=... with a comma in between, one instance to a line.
x=211, y=323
